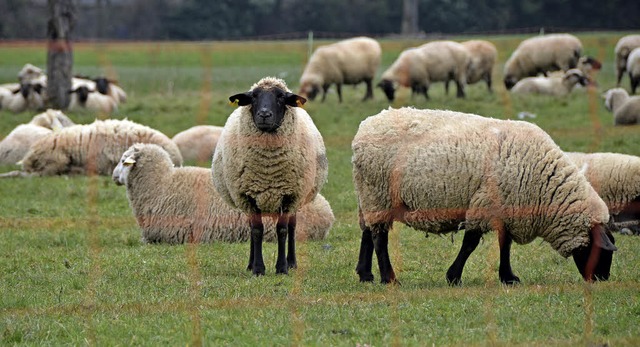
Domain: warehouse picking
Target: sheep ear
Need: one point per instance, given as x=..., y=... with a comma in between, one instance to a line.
x=129, y=161
x=294, y=100
x=71, y=91
x=604, y=241
x=242, y=99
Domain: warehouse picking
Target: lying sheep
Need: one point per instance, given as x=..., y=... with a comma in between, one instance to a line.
x=350, y=61
x=434, y=169
x=623, y=48
x=29, y=72
x=94, y=148
x=109, y=87
x=52, y=119
x=83, y=98
x=15, y=145
x=552, y=85
x=27, y=96
x=198, y=143
x=541, y=54
x=625, y=108
x=179, y=205
x=270, y=160
x=436, y=61
x=483, y=57
x=616, y=178
x=633, y=67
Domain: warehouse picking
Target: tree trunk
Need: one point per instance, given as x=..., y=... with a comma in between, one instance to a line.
x=59, y=52
x=409, y=17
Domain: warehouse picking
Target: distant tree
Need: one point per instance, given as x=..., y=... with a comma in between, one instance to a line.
x=59, y=52
x=409, y=17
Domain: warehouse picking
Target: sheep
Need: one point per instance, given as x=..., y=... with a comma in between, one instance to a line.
x=270, y=160
x=625, y=108
x=109, y=87
x=633, y=67
x=435, y=170
x=436, y=61
x=15, y=145
x=539, y=55
x=52, y=119
x=93, y=148
x=623, y=48
x=84, y=98
x=27, y=96
x=483, y=57
x=178, y=205
x=552, y=85
x=29, y=72
x=616, y=178
x=198, y=143
x=350, y=62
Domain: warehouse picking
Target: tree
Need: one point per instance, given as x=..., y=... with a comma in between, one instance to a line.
x=59, y=52
x=409, y=17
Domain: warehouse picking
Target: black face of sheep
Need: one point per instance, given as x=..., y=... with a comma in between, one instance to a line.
x=83, y=93
x=509, y=82
x=102, y=85
x=594, y=261
x=268, y=106
x=24, y=89
x=387, y=88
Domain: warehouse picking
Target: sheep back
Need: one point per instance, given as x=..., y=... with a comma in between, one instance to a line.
x=483, y=57
x=445, y=59
x=408, y=69
x=15, y=145
x=198, y=143
x=623, y=47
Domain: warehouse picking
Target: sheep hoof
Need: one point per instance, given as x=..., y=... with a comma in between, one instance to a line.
x=257, y=271
x=391, y=281
x=282, y=271
x=511, y=280
x=366, y=277
x=454, y=282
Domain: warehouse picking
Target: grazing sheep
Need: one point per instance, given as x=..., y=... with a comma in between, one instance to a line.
x=633, y=67
x=83, y=98
x=436, y=61
x=15, y=145
x=616, y=178
x=52, y=119
x=270, y=160
x=178, y=205
x=625, y=108
x=483, y=57
x=350, y=61
x=552, y=85
x=541, y=54
x=434, y=169
x=623, y=48
x=94, y=148
x=198, y=143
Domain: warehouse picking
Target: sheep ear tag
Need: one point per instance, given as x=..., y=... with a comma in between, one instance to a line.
x=294, y=100
x=129, y=161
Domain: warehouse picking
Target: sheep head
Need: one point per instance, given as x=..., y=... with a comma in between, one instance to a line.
x=594, y=260
x=83, y=93
x=510, y=81
x=121, y=171
x=102, y=85
x=388, y=88
x=268, y=105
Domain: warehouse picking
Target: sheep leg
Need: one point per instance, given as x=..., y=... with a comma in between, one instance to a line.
x=469, y=243
x=446, y=87
x=620, y=73
x=256, y=263
x=291, y=254
x=363, y=269
x=325, y=88
x=380, y=233
x=488, y=80
x=460, y=89
x=339, y=90
x=369, y=94
x=281, y=232
x=505, y=272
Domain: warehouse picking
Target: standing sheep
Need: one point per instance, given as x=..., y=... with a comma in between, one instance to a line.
x=350, y=61
x=198, y=143
x=633, y=67
x=553, y=85
x=178, y=205
x=625, y=108
x=541, y=54
x=434, y=169
x=483, y=57
x=270, y=160
x=623, y=48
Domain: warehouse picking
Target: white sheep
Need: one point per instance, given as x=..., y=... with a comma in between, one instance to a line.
x=27, y=96
x=94, y=148
x=29, y=72
x=434, y=169
x=350, y=62
x=541, y=54
x=553, y=85
x=483, y=57
x=179, y=205
x=623, y=48
x=83, y=98
x=633, y=67
x=52, y=119
x=625, y=108
x=269, y=161
x=18, y=142
x=198, y=143
x=109, y=87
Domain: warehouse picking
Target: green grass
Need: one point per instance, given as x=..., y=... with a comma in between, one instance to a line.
x=73, y=271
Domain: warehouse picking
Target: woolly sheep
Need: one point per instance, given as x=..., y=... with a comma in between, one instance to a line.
x=29, y=72
x=84, y=98
x=625, y=108
x=52, y=119
x=434, y=169
x=350, y=61
x=542, y=54
x=198, y=143
x=27, y=96
x=622, y=50
x=552, y=85
x=178, y=205
x=94, y=148
x=270, y=160
x=15, y=145
x=616, y=178
x=483, y=57
x=633, y=67
x=436, y=61
x=109, y=87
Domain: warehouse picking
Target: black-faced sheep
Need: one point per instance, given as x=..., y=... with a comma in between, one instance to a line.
x=83, y=98
x=270, y=160
x=625, y=108
x=553, y=85
x=483, y=57
x=434, y=169
x=109, y=87
x=633, y=67
x=623, y=48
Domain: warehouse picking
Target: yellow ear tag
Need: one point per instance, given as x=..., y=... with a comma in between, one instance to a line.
x=299, y=103
x=234, y=103
x=129, y=161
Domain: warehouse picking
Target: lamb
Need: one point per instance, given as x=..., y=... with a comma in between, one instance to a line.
x=483, y=57
x=633, y=66
x=553, y=85
x=625, y=108
x=84, y=98
x=93, y=148
x=198, y=143
x=179, y=205
x=269, y=161
x=616, y=178
x=436, y=61
x=350, y=62
x=539, y=55
x=435, y=169
x=623, y=48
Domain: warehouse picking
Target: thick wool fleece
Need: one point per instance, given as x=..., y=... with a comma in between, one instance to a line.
x=250, y=165
x=19, y=141
x=543, y=53
x=178, y=205
x=433, y=169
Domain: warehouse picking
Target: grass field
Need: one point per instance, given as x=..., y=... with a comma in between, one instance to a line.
x=73, y=270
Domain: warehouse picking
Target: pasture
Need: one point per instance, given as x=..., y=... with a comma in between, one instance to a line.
x=73, y=270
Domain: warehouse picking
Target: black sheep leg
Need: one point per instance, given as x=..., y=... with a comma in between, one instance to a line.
x=257, y=233
x=369, y=93
x=469, y=243
x=505, y=272
x=363, y=269
x=291, y=251
x=281, y=233
x=380, y=233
